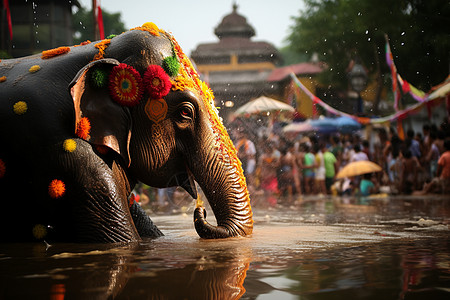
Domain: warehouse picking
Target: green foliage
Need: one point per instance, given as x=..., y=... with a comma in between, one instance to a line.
x=83, y=25
x=342, y=30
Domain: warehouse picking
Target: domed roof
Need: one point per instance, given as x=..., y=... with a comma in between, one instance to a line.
x=234, y=25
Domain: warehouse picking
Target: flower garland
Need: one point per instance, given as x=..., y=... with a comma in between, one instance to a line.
x=150, y=27
x=101, y=46
x=125, y=85
x=3, y=79
x=54, y=52
x=188, y=79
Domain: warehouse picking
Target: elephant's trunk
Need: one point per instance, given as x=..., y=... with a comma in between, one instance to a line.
x=224, y=185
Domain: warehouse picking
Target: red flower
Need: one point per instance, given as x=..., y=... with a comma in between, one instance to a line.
x=157, y=82
x=83, y=128
x=125, y=85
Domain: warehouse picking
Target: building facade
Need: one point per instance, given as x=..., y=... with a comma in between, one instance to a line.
x=36, y=26
x=236, y=67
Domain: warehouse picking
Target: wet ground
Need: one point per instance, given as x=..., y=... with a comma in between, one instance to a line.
x=319, y=248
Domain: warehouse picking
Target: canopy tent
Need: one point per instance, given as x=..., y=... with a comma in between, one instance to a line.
x=263, y=104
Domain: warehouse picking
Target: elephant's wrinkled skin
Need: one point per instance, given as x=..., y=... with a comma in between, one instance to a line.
x=63, y=178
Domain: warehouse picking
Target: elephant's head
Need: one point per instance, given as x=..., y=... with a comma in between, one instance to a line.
x=145, y=101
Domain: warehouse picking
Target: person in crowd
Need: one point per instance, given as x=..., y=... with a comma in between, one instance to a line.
x=246, y=152
x=308, y=170
x=286, y=183
x=269, y=162
x=366, y=149
x=410, y=169
x=432, y=157
x=441, y=183
x=336, y=148
x=412, y=144
x=300, y=159
x=368, y=185
x=331, y=166
x=319, y=170
x=358, y=155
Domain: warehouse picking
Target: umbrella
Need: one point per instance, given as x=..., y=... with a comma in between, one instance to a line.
x=325, y=124
x=358, y=168
x=299, y=127
x=347, y=124
x=263, y=105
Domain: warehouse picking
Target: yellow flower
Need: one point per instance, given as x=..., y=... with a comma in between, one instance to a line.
x=39, y=231
x=20, y=107
x=34, y=69
x=70, y=145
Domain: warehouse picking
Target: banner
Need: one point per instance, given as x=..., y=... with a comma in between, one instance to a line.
x=398, y=82
x=398, y=115
x=98, y=13
x=8, y=18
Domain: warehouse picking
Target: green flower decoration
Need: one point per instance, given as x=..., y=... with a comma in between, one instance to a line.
x=171, y=66
x=111, y=36
x=99, y=78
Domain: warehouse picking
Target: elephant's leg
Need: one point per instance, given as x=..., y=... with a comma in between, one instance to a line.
x=97, y=192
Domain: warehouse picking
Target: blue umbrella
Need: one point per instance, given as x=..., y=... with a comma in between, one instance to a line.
x=325, y=125
x=347, y=124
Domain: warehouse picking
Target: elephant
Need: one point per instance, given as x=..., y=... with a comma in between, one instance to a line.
x=80, y=126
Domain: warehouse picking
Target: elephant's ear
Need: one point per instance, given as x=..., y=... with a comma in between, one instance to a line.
x=106, y=122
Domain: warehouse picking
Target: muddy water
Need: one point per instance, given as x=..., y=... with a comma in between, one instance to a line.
x=319, y=248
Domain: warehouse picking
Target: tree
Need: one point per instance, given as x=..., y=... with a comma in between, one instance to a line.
x=342, y=30
x=83, y=24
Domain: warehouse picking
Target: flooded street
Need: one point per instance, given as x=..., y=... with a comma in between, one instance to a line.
x=319, y=248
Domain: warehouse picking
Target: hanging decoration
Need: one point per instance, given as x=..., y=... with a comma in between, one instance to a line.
x=364, y=120
x=99, y=18
x=8, y=18
x=398, y=82
x=125, y=85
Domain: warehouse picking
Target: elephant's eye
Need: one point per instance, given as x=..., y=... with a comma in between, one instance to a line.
x=187, y=111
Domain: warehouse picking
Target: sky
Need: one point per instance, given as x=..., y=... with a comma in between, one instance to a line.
x=193, y=21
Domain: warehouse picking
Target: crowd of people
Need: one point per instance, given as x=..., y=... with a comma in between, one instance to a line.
x=283, y=168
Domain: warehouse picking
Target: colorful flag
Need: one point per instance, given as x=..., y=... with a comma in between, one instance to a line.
x=8, y=18
x=98, y=12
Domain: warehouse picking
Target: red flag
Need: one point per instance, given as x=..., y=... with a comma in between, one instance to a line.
x=101, y=29
x=8, y=17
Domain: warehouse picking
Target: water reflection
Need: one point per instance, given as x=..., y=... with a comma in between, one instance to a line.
x=327, y=248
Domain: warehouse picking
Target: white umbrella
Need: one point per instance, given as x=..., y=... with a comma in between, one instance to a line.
x=263, y=105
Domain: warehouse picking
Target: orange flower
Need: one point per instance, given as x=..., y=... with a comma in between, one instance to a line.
x=56, y=189
x=83, y=128
x=54, y=52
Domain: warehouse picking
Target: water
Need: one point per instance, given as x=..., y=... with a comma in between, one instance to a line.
x=320, y=248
